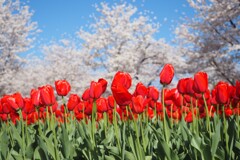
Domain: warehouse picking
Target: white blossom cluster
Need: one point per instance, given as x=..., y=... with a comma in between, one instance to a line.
x=211, y=39
x=120, y=38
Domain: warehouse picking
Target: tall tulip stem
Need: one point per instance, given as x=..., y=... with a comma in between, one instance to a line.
x=225, y=130
x=207, y=115
x=164, y=116
x=94, y=110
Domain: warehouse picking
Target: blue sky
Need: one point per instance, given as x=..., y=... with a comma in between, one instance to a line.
x=58, y=17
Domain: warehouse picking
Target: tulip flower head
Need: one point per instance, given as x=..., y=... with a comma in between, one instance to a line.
x=166, y=74
x=62, y=87
x=200, y=84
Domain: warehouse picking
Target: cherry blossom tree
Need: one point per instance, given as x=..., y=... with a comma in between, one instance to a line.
x=60, y=60
x=16, y=30
x=121, y=38
x=211, y=40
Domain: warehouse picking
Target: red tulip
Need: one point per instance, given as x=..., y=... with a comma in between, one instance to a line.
x=103, y=83
x=47, y=95
x=111, y=101
x=189, y=117
x=150, y=112
x=138, y=105
x=189, y=86
x=32, y=117
x=35, y=97
x=88, y=107
x=120, y=85
x=238, y=89
x=15, y=101
x=153, y=93
x=5, y=105
x=122, y=78
x=166, y=74
x=28, y=106
x=79, y=108
x=121, y=95
x=182, y=86
x=14, y=117
x=59, y=113
x=73, y=101
x=86, y=95
x=62, y=87
x=96, y=90
x=102, y=105
x=200, y=84
x=222, y=94
x=52, y=108
x=228, y=112
x=232, y=91
x=141, y=90
x=4, y=117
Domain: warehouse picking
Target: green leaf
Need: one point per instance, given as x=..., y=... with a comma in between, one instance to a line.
x=67, y=148
x=109, y=157
x=16, y=155
x=4, y=143
x=220, y=153
x=109, y=137
x=114, y=151
x=40, y=153
x=128, y=155
x=237, y=145
x=46, y=145
x=215, y=139
x=16, y=135
x=168, y=130
x=131, y=143
x=30, y=151
x=196, y=143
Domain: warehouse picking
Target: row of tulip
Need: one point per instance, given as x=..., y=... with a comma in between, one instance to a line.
x=201, y=119
x=191, y=98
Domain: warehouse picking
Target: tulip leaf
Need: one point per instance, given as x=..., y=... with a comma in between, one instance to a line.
x=109, y=137
x=66, y=145
x=109, y=157
x=46, y=145
x=215, y=138
x=131, y=143
x=114, y=151
x=16, y=135
x=30, y=151
x=237, y=145
x=16, y=155
x=4, y=142
x=220, y=153
x=128, y=155
x=40, y=153
x=196, y=142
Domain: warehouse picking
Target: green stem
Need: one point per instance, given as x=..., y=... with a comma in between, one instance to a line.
x=137, y=133
x=65, y=112
x=94, y=110
x=143, y=136
x=207, y=115
x=164, y=117
x=116, y=126
x=55, y=143
x=23, y=136
x=225, y=130
x=193, y=116
x=11, y=136
x=105, y=118
x=238, y=121
x=171, y=116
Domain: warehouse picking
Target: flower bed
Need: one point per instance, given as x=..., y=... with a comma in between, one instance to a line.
x=187, y=122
